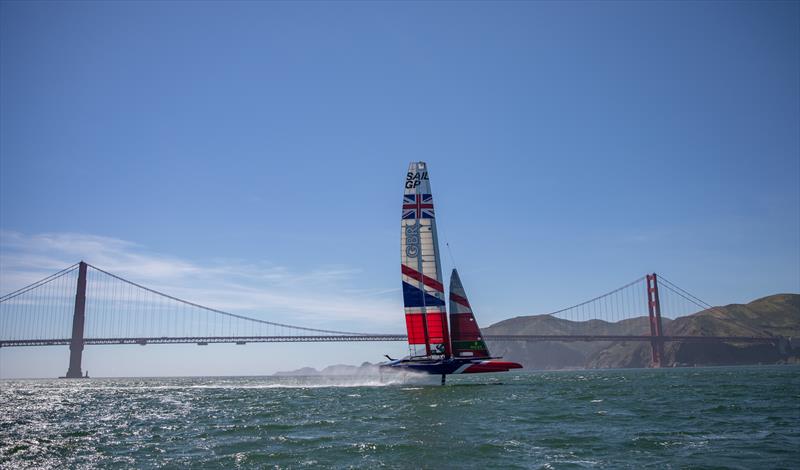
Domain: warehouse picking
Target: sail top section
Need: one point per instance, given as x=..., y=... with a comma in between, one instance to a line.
x=417, y=181
x=467, y=340
x=423, y=289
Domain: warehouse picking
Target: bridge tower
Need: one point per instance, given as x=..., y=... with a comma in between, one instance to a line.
x=78, y=319
x=656, y=331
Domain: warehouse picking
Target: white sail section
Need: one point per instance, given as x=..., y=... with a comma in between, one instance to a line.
x=423, y=290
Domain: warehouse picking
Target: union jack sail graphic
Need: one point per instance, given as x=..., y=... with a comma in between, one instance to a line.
x=418, y=206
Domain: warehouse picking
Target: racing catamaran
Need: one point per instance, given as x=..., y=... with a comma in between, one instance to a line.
x=432, y=347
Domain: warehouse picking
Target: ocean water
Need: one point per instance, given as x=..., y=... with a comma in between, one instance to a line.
x=744, y=417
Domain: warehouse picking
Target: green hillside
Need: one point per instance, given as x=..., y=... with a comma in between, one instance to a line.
x=775, y=315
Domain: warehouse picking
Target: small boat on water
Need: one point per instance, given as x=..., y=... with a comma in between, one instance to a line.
x=433, y=347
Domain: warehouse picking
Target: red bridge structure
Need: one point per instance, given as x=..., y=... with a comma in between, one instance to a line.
x=85, y=305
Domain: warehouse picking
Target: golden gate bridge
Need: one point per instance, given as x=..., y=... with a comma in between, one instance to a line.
x=85, y=305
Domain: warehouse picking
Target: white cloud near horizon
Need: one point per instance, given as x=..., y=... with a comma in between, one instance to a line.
x=321, y=297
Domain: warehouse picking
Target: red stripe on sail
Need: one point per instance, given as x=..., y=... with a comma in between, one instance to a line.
x=460, y=300
x=436, y=333
x=415, y=328
x=437, y=330
x=428, y=281
x=464, y=327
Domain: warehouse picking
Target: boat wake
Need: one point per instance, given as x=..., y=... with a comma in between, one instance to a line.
x=370, y=379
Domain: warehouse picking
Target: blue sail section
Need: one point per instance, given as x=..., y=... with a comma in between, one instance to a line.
x=416, y=297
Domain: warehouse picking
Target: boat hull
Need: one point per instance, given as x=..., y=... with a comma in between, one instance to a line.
x=452, y=366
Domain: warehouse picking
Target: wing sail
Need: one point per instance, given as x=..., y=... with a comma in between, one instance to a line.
x=466, y=335
x=423, y=291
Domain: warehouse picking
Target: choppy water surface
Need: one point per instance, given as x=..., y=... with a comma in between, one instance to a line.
x=732, y=417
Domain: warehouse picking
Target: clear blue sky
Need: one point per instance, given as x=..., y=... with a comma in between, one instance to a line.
x=573, y=146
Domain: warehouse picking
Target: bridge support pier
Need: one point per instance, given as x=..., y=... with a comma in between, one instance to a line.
x=656, y=331
x=78, y=320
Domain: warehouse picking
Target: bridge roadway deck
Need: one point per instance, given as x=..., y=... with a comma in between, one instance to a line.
x=204, y=340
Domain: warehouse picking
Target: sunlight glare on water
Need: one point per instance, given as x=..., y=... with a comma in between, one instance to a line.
x=736, y=417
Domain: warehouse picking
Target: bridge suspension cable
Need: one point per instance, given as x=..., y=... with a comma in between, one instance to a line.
x=40, y=310
x=125, y=310
x=630, y=301
x=619, y=289
x=689, y=297
x=627, y=301
x=221, y=312
x=38, y=283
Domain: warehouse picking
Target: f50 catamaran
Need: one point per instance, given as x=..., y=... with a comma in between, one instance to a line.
x=432, y=348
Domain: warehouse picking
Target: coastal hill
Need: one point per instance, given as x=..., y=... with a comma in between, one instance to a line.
x=775, y=315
